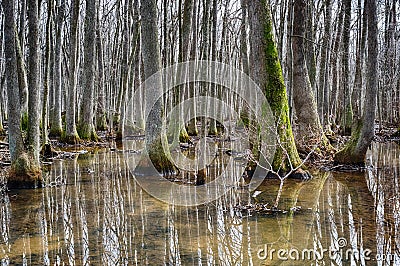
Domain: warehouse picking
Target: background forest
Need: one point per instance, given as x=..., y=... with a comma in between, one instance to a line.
x=69, y=67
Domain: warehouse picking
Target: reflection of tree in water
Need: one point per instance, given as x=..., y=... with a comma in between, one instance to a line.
x=101, y=216
x=383, y=183
x=5, y=217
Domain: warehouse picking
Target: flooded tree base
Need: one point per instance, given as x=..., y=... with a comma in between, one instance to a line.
x=87, y=132
x=70, y=139
x=24, y=174
x=157, y=159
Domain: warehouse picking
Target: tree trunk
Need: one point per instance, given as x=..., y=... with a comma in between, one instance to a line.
x=358, y=79
x=101, y=121
x=334, y=67
x=355, y=150
x=46, y=82
x=267, y=73
x=130, y=36
x=70, y=135
x=152, y=64
x=56, y=128
x=347, y=112
x=213, y=123
x=24, y=172
x=22, y=75
x=86, y=129
x=192, y=125
x=309, y=130
x=323, y=89
x=183, y=56
x=33, y=81
x=22, y=83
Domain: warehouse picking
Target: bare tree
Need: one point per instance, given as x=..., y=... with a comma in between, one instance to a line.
x=347, y=112
x=71, y=135
x=356, y=149
x=323, y=89
x=56, y=128
x=86, y=129
x=24, y=171
x=152, y=64
x=309, y=130
x=267, y=73
x=33, y=81
x=101, y=121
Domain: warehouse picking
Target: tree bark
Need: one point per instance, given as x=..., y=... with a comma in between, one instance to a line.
x=309, y=130
x=23, y=83
x=46, y=82
x=267, y=73
x=33, y=81
x=101, y=121
x=71, y=135
x=24, y=172
x=334, y=67
x=347, y=112
x=355, y=150
x=86, y=129
x=192, y=125
x=323, y=88
x=22, y=75
x=358, y=79
x=152, y=64
x=56, y=129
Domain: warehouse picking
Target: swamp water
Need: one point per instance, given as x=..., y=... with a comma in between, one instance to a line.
x=101, y=216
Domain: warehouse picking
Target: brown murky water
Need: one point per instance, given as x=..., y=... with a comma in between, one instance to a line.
x=103, y=217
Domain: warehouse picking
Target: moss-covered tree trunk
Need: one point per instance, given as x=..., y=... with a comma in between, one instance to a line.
x=309, y=130
x=152, y=64
x=56, y=128
x=86, y=129
x=71, y=135
x=267, y=73
x=24, y=171
x=355, y=150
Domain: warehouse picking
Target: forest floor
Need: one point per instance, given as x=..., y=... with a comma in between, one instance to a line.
x=59, y=150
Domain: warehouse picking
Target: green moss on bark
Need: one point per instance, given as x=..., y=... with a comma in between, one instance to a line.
x=349, y=155
x=24, y=173
x=160, y=160
x=348, y=120
x=55, y=132
x=87, y=132
x=24, y=121
x=70, y=139
x=275, y=92
x=184, y=136
x=101, y=122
